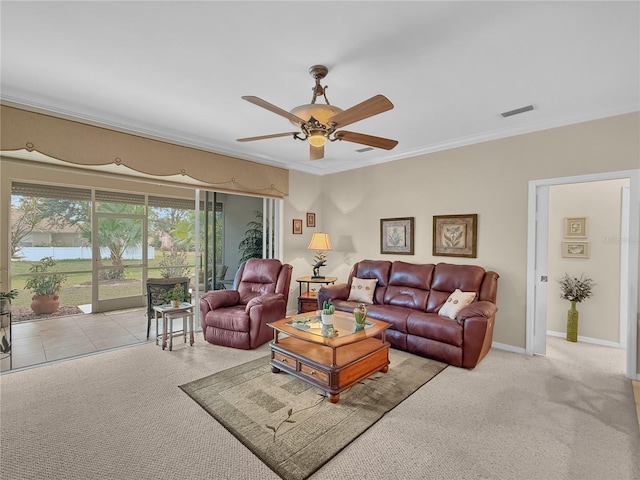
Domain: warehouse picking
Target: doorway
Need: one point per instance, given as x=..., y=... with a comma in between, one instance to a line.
x=537, y=261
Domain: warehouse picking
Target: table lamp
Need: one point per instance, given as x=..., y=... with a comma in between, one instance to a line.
x=320, y=243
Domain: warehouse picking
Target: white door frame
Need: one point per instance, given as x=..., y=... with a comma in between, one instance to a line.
x=538, y=213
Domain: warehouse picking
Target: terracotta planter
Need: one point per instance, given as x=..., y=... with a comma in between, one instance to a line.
x=45, y=303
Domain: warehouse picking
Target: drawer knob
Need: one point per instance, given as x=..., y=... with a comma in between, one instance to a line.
x=313, y=372
x=284, y=360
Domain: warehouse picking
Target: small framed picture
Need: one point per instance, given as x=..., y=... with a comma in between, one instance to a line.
x=575, y=227
x=311, y=220
x=396, y=235
x=575, y=249
x=455, y=235
x=297, y=226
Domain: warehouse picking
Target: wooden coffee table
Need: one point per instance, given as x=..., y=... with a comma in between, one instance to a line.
x=331, y=360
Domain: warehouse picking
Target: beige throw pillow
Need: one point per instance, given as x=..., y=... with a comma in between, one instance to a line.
x=362, y=290
x=456, y=302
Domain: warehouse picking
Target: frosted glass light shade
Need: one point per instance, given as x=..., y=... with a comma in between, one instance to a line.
x=321, y=112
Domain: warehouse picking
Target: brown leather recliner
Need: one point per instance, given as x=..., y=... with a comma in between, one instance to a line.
x=238, y=318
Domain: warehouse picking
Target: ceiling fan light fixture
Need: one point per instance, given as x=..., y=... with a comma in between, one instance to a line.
x=321, y=112
x=317, y=139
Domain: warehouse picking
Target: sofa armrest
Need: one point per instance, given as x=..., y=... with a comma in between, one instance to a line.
x=338, y=291
x=218, y=299
x=477, y=320
x=477, y=309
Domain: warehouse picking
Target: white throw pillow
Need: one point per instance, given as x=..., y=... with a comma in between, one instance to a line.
x=456, y=302
x=362, y=290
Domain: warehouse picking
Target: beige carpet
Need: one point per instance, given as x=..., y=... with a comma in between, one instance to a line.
x=291, y=425
x=120, y=415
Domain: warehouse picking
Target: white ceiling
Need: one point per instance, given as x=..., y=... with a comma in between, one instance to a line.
x=177, y=70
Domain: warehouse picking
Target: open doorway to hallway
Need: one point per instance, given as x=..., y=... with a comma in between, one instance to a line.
x=545, y=262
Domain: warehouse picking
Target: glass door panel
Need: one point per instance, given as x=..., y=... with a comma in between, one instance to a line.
x=120, y=259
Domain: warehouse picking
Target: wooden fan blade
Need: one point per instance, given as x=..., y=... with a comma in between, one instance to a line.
x=366, y=109
x=316, y=153
x=263, y=137
x=272, y=108
x=363, y=139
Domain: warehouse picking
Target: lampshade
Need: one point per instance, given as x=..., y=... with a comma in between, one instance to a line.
x=320, y=241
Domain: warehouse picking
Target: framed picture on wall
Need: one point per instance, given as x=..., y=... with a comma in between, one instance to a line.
x=396, y=235
x=311, y=220
x=455, y=235
x=297, y=226
x=575, y=227
x=575, y=249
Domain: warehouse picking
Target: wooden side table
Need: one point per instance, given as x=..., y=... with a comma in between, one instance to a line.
x=308, y=300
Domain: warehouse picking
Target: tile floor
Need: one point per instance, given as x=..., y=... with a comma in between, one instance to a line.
x=39, y=341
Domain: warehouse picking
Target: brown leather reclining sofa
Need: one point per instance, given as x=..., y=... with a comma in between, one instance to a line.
x=409, y=297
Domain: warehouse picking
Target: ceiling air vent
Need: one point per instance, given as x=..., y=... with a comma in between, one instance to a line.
x=362, y=150
x=517, y=111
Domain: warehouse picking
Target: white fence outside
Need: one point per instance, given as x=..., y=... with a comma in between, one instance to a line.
x=33, y=254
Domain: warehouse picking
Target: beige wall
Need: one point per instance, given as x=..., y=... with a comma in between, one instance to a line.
x=601, y=203
x=490, y=179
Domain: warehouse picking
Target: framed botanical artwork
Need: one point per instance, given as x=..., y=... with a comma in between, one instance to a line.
x=297, y=226
x=311, y=220
x=455, y=235
x=575, y=249
x=396, y=235
x=575, y=227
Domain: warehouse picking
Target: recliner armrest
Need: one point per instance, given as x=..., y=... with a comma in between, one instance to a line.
x=266, y=300
x=218, y=299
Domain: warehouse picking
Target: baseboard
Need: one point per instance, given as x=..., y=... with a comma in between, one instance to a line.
x=508, y=348
x=594, y=341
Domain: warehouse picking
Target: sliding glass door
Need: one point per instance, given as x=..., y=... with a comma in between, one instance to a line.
x=120, y=233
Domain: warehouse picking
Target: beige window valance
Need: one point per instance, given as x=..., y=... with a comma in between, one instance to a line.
x=82, y=144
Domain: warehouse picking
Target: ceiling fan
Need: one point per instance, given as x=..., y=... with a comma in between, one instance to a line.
x=318, y=122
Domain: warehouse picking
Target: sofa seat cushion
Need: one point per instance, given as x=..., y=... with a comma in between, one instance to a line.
x=231, y=318
x=396, y=316
x=435, y=327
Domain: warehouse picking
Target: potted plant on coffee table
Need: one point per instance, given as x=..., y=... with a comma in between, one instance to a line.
x=328, y=310
x=45, y=286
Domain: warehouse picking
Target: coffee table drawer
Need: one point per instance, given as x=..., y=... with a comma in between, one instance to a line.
x=286, y=359
x=318, y=375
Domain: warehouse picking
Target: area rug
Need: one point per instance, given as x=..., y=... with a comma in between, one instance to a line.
x=289, y=424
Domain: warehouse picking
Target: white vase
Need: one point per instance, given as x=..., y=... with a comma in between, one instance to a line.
x=327, y=319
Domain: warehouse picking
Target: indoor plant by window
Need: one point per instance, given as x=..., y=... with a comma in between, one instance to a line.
x=45, y=286
x=5, y=299
x=176, y=295
x=5, y=306
x=575, y=290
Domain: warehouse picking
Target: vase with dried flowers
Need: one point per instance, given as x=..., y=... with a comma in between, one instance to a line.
x=575, y=290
